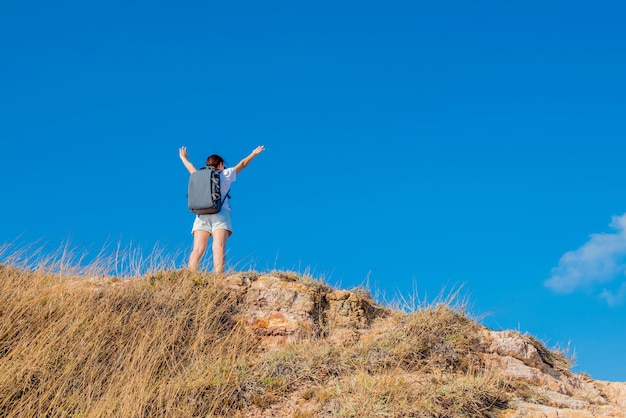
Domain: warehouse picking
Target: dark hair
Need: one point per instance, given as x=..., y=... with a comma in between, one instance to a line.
x=214, y=160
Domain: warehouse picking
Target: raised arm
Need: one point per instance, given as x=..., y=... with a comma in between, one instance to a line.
x=244, y=163
x=182, y=152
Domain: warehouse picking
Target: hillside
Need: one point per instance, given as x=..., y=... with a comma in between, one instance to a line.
x=181, y=344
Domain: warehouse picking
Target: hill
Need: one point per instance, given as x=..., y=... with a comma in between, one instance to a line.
x=181, y=344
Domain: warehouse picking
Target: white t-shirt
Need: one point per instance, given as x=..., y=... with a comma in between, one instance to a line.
x=227, y=176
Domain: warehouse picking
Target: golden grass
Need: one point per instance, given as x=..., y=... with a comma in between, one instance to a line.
x=142, y=347
x=166, y=344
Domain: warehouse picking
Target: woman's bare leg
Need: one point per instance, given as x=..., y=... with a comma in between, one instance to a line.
x=200, y=241
x=219, y=249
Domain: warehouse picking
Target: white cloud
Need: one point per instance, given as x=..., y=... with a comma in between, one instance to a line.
x=601, y=259
x=614, y=298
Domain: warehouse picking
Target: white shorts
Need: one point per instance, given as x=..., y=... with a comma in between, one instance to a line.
x=210, y=223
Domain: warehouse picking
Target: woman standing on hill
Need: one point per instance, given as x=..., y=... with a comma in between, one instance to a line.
x=219, y=224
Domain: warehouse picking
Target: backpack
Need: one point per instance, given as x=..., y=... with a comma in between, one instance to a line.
x=203, y=193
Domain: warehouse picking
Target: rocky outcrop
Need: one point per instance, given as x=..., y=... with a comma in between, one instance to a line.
x=553, y=391
x=283, y=307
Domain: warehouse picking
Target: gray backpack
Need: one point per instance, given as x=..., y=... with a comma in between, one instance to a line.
x=203, y=194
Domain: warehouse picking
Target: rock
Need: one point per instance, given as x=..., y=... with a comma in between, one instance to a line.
x=616, y=391
x=286, y=307
x=276, y=306
x=522, y=359
x=512, y=344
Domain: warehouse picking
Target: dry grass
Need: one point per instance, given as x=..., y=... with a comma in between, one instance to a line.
x=158, y=346
x=165, y=344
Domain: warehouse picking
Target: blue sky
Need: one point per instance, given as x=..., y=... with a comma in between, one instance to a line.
x=415, y=146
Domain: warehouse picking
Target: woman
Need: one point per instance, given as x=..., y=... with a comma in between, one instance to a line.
x=219, y=224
